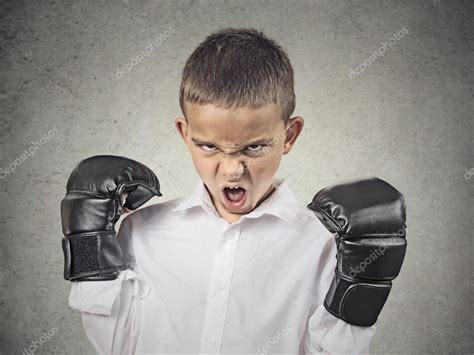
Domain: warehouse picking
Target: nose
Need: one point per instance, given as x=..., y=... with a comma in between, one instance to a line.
x=232, y=168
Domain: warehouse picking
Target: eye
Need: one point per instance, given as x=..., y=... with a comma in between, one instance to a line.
x=254, y=147
x=207, y=147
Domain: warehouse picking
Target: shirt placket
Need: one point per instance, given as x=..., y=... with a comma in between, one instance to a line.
x=218, y=296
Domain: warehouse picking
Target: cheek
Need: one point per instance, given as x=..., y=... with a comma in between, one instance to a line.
x=264, y=168
x=202, y=165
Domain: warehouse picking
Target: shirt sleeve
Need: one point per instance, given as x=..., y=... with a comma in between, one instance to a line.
x=325, y=333
x=110, y=310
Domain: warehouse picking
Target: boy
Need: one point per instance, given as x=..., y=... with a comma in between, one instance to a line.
x=237, y=266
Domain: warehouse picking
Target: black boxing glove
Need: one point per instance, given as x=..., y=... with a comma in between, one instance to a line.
x=98, y=190
x=368, y=217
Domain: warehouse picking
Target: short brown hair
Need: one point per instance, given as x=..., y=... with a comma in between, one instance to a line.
x=238, y=67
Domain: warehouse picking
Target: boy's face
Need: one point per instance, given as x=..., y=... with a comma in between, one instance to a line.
x=237, y=147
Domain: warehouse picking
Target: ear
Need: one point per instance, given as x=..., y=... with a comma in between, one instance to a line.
x=182, y=128
x=293, y=130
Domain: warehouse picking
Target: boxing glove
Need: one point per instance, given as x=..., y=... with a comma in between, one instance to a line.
x=98, y=190
x=368, y=218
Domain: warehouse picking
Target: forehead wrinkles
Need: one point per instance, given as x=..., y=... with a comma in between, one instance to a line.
x=234, y=145
x=233, y=127
x=227, y=135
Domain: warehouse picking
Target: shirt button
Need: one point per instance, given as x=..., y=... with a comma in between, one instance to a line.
x=233, y=235
x=219, y=286
x=211, y=342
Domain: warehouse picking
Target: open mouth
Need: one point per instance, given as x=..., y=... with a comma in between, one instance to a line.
x=235, y=196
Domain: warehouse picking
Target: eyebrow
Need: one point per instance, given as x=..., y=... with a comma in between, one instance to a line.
x=258, y=141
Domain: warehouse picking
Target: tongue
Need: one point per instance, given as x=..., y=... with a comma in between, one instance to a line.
x=235, y=194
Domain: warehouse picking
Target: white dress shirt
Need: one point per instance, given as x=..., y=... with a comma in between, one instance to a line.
x=199, y=284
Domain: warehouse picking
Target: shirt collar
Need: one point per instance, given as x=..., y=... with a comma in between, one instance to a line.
x=281, y=203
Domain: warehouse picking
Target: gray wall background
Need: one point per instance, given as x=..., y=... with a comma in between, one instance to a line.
x=406, y=119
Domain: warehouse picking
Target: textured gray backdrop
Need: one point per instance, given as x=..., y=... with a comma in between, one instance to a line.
x=72, y=86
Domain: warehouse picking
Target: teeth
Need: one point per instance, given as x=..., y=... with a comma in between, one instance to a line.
x=233, y=188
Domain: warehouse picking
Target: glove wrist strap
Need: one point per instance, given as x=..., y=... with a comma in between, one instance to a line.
x=355, y=301
x=94, y=256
